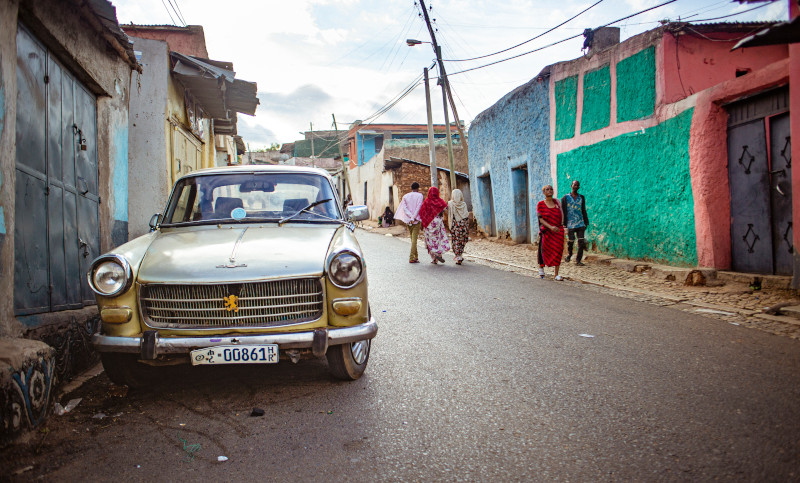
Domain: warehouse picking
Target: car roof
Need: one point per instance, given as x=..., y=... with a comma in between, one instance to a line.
x=259, y=168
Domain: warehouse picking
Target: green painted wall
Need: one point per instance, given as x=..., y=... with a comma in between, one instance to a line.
x=596, y=99
x=636, y=85
x=638, y=192
x=566, y=91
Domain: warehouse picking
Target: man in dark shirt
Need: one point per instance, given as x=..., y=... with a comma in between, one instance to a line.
x=575, y=219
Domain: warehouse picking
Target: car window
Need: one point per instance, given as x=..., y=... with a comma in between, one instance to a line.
x=246, y=197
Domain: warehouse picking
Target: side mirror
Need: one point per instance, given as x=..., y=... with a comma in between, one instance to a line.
x=155, y=220
x=357, y=213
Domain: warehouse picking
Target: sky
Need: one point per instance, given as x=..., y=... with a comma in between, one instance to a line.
x=313, y=59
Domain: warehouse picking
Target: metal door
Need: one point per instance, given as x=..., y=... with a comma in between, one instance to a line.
x=781, y=192
x=748, y=175
x=759, y=175
x=519, y=188
x=56, y=200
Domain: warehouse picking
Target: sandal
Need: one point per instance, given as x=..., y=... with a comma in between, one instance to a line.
x=440, y=258
x=558, y=278
x=541, y=272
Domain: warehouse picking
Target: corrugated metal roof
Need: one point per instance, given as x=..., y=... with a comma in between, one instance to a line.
x=782, y=33
x=106, y=13
x=216, y=89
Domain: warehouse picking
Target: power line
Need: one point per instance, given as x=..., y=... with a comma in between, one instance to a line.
x=168, y=12
x=176, y=10
x=562, y=40
x=180, y=12
x=529, y=40
x=733, y=14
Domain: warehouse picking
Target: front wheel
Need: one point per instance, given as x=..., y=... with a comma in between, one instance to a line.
x=348, y=361
x=124, y=369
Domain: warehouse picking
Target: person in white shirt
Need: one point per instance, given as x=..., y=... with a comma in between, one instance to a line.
x=408, y=213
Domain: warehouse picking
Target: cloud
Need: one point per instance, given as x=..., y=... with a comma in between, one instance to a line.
x=255, y=134
x=304, y=100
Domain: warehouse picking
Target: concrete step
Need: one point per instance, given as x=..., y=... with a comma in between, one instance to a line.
x=783, y=282
x=26, y=382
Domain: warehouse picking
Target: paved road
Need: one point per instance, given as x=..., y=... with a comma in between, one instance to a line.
x=476, y=374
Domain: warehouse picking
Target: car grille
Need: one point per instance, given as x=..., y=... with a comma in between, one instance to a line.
x=261, y=304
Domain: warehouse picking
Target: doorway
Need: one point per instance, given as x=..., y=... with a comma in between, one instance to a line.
x=519, y=190
x=487, y=205
x=760, y=178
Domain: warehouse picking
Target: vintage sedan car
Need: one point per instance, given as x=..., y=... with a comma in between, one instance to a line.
x=249, y=264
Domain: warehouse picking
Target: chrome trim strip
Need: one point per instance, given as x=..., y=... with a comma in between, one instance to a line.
x=286, y=340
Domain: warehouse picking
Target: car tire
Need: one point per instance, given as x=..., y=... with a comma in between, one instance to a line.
x=348, y=361
x=125, y=370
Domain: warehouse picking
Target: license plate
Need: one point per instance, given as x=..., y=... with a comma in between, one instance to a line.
x=236, y=354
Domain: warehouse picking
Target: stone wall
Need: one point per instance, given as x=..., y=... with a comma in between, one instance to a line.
x=420, y=152
x=638, y=192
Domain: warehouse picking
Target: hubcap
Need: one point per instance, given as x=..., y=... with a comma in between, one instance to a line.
x=360, y=350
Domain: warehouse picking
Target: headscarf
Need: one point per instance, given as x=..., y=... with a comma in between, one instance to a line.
x=432, y=206
x=457, y=208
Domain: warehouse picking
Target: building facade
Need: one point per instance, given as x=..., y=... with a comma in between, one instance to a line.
x=64, y=91
x=654, y=128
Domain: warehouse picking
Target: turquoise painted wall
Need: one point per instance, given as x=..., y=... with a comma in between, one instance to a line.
x=120, y=176
x=636, y=85
x=638, y=191
x=596, y=112
x=566, y=91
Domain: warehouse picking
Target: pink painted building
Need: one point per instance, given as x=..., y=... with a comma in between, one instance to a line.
x=683, y=146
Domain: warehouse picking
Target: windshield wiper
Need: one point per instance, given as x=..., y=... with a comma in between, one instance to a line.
x=287, y=218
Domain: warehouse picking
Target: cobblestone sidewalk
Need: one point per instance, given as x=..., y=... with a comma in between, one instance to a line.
x=726, y=298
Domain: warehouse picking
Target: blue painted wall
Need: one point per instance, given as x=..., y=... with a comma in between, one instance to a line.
x=119, y=179
x=365, y=146
x=513, y=133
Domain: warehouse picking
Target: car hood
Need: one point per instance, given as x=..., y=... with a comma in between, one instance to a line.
x=236, y=253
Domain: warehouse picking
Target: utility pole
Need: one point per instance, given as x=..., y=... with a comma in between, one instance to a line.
x=434, y=174
x=313, y=163
x=443, y=76
x=449, y=138
x=341, y=156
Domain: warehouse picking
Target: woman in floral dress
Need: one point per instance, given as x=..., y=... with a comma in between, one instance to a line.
x=458, y=219
x=433, y=227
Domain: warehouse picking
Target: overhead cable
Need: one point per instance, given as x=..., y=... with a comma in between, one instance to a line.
x=529, y=40
x=562, y=40
x=733, y=14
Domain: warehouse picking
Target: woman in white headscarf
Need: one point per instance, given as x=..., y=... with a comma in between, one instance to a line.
x=458, y=219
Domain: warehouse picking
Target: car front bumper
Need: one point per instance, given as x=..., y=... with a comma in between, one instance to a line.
x=150, y=345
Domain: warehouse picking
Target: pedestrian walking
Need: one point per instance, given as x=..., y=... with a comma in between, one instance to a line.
x=573, y=208
x=551, y=233
x=458, y=220
x=431, y=214
x=408, y=213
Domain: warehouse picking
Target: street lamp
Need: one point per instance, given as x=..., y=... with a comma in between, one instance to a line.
x=413, y=42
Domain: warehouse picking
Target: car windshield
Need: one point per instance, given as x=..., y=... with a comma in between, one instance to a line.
x=251, y=197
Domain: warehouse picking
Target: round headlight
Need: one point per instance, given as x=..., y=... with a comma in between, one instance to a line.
x=346, y=269
x=110, y=276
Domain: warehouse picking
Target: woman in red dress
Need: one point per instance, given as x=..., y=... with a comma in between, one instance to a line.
x=551, y=232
